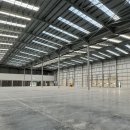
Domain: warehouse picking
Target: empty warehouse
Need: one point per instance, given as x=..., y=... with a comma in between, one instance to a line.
x=64, y=64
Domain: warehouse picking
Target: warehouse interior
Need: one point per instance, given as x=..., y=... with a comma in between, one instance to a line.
x=64, y=64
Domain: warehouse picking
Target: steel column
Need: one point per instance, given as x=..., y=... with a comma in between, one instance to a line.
x=42, y=76
x=116, y=73
x=59, y=72
x=91, y=76
x=31, y=76
x=24, y=76
x=88, y=84
x=102, y=75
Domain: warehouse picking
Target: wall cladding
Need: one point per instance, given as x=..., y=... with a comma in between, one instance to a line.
x=111, y=74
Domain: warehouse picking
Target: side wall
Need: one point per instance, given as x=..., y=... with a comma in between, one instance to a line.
x=110, y=73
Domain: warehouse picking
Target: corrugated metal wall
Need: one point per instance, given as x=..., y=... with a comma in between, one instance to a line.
x=105, y=76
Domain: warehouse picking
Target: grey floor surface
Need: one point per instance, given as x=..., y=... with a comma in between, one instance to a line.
x=26, y=108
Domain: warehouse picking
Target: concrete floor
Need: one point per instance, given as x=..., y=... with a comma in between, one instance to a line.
x=64, y=109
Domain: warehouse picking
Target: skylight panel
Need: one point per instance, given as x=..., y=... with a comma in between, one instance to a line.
x=29, y=54
x=117, y=48
x=77, y=61
x=35, y=49
x=69, y=63
x=62, y=31
x=98, y=56
x=112, y=52
x=14, y=15
x=24, y=57
x=104, y=54
x=24, y=5
x=96, y=47
x=13, y=24
x=128, y=46
x=73, y=25
x=52, y=35
x=85, y=58
x=49, y=41
x=80, y=52
x=125, y=36
x=44, y=44
x=20, y=60
x=4, y=49
x=112, y=40
x=2, y=43
x=105, y=9
x=80, y=14
x=11, y=36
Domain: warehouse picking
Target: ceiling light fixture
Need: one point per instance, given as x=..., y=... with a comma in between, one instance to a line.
x=2, y=43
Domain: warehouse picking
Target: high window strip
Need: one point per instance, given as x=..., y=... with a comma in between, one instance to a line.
x=73, y=25
x=52, y=35
x=80, y=14
x=21, y=4
x=101, y=6
x=11, y=36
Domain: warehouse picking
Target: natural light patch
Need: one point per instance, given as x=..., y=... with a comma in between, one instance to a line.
x=117, y=48
x=73, y=25
x=29, y=54
x=21, y=4
x=14, y=15
x=104, y=54
x=44, y=44
x=62, y=31
x=49, y=41
x=101, y=6
x=111, y=52
x=112, y=40
x=52, y=35
x=13, y=24
x=98, y=56
x=11, y=36
x=80, y=14
x=35, y=49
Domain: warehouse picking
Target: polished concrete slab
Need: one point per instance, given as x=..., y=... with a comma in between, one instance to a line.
x=50, y=108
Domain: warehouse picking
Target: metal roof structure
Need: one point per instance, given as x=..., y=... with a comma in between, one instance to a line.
x=33, y=31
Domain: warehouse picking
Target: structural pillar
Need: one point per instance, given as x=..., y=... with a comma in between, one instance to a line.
x=74, y=77
x=102, y=75
x=12, y=83
x=59, y=71
x=91, y=76
x=82, y=75
x=31, y=76
x=116, y=73
x=42, y=76
x=24, y=77
x=88, y=84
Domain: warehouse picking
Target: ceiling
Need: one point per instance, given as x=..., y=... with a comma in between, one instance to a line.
x=36, y=31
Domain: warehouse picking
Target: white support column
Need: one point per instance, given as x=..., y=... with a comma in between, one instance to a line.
x=88, y=84
x=59, y=72
x=91, y=76
x=12, y=83
x=82, y=75
x=31, y=76
x=102, y=75
x=24, y=77
x=116, y=73
x=42, y=76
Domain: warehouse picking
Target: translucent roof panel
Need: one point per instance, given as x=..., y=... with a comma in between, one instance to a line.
x=105, y=9
x=80, y=14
